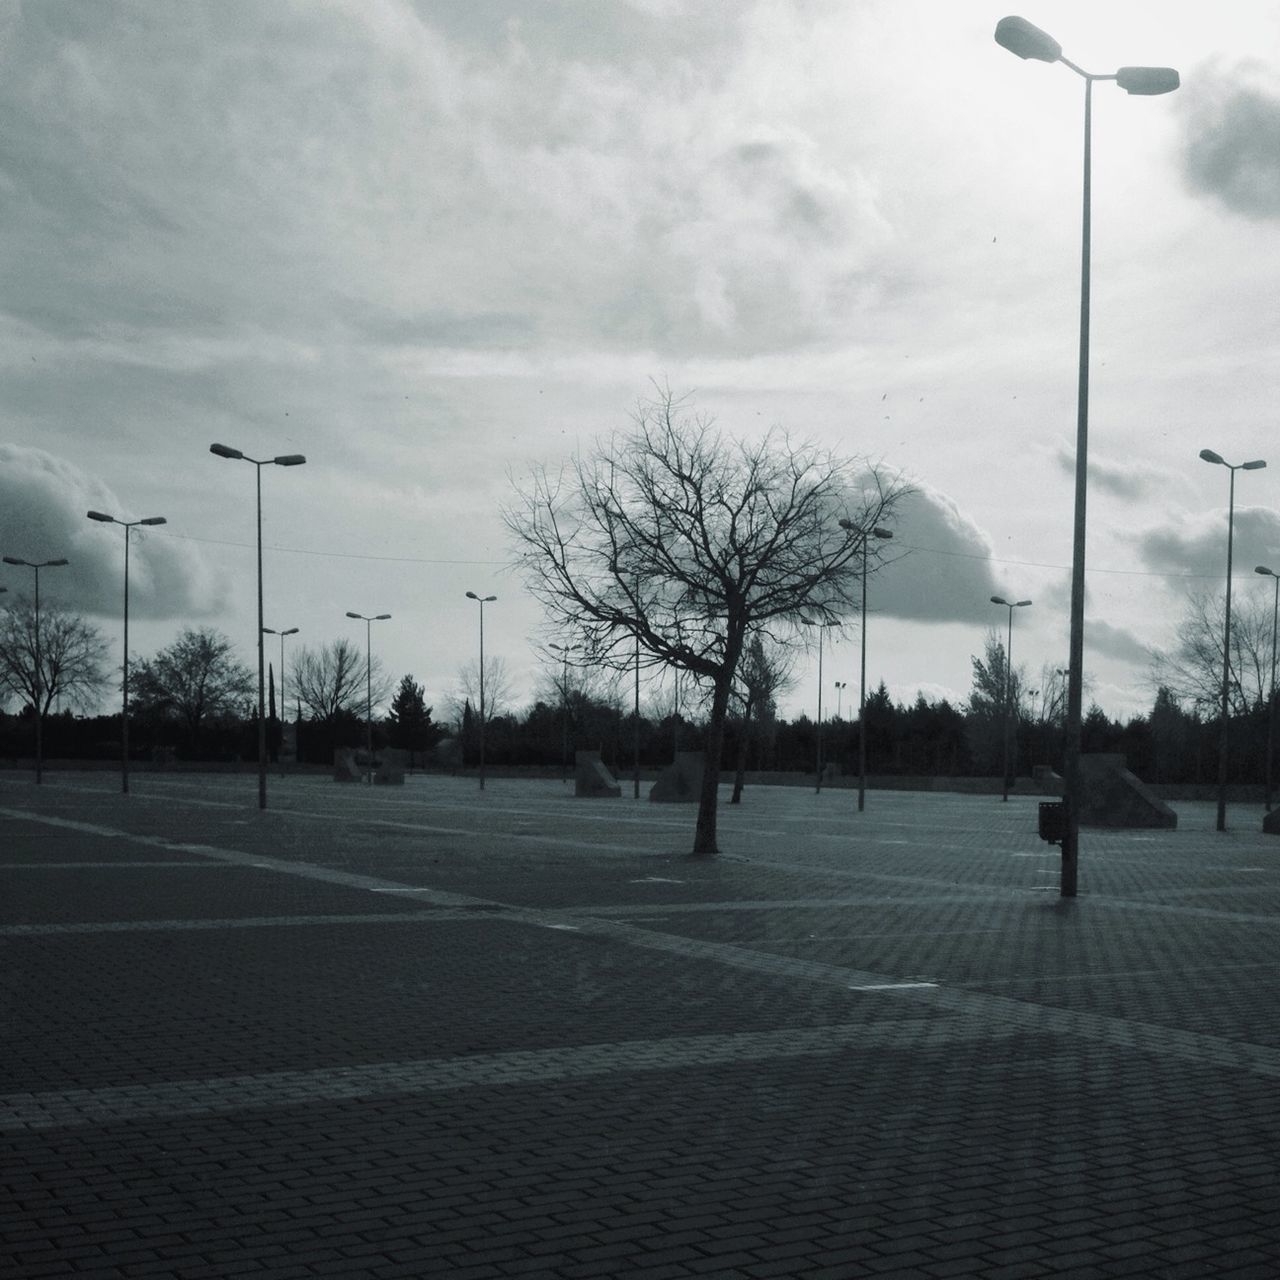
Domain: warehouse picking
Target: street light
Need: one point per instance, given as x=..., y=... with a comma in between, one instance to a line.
x=1257, y=464
x=566, y=650
x=284, y=714
x=1026, y=41
x=44, y=564
x=841, y=686
x=1008, y=687
x=821, y=626
x=481, y=601
x=368, y=682
x=1271, y=701
x=281, y=460
x=867, y=534
x=128, y=526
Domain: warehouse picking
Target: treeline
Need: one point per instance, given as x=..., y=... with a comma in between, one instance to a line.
x=923, y=738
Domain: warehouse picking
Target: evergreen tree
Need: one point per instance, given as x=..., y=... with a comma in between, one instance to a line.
x=409, y=721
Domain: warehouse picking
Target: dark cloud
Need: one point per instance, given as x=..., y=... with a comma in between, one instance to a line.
x=1124, y=479
x=1198, y=546
x=1232, y=145
x=43, y=501
x=941, y=568
x=1114, y=642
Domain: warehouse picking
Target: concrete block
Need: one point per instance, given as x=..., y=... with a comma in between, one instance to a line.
x=681, y=781
x=1111, y=796
x=1046, y=782
x=346, y=767
x=591, y=778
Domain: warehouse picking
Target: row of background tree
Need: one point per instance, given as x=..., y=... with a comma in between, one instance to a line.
x=195, y=700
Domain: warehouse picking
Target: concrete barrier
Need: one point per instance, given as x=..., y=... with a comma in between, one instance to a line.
x=1111, y=796
x=591, y=778
x=346, y=767
x=681, y=781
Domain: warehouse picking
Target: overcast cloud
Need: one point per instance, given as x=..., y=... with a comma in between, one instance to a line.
x=424, y=244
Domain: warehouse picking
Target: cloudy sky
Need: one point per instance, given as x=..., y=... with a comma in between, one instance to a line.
x=430, y=243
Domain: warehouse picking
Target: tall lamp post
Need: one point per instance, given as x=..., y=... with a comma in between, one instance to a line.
x=565, y=650
x=281, y=460
x=1008, y=688
x=1027, y=41
x=867, y=534
x=821, y=626
x=481, y=601
x=1271, y=700
x=368, y=683
x=284, y=715
x=128, y=526
x=1257, y=464
x=36, y=682
x=841, y=686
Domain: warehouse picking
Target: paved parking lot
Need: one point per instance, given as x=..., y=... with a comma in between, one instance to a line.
x=428, y=1031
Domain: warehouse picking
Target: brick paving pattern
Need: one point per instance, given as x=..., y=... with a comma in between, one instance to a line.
x=435, y=1032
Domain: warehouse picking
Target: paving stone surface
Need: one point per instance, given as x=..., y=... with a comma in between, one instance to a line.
x=435, y=1032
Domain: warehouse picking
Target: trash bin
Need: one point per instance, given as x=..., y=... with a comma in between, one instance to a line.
x=1053, y=821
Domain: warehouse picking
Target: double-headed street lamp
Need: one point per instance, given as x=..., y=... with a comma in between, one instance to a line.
x=1271, y=700
x=867, y=534
x=368, y=682
x=1008, y=686
x=36, y=682
x=1256, y=465
x=841, y=686
x=281, y=460
x=481, y=601
x=821, y=626
x=128, y=526
x=1027, y=41
x=284, y=714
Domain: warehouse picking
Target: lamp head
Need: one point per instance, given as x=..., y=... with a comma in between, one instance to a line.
x=100, y=515
x=1148, y=82
x=225, y=451
x=1000, y=600
x=1268, y=573
x=1021, y=604
x=471, y=595
x=1209, y=456
x=54, y=564
x=1256, y=465
x=269, y=631
x=355, y=615
x=289, y=460
x=293, y=631
x=882, y=533
x=15, y=560
x=154, y=520
x=381, y=617
x=1020, y=37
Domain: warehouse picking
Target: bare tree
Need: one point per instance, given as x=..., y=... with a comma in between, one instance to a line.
x=685, y=542
x=197, y=678
x=764, y=674
x=335, y=678
x=497, y=689
x=72, y=656
x=1192, y=669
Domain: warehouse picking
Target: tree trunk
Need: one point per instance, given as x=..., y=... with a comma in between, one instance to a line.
x=704, y=835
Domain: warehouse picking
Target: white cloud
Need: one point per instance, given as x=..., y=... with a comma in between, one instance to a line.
x=940, y=566
x=43, y=505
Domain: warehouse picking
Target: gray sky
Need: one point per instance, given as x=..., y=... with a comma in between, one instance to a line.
x=427, y=244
